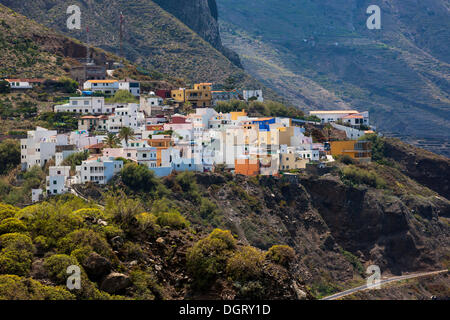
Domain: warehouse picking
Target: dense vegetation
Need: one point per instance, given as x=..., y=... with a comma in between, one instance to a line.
x=9, y=155
x=43, y=240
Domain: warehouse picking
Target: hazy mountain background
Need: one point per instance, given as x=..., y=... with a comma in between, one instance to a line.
x=320, y=55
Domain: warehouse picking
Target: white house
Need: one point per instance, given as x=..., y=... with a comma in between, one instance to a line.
x=148, y=102
x=23, y=83
x=131, y=86
x=57, y=180
x=107, y=87
x=98, y=170
x=351, y=117
x=255, y=94
x=38, y=148
x=36, y=195
x=126, y=116
x=85, y=105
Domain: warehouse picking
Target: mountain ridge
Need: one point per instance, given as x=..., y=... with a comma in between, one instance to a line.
x=401, y=73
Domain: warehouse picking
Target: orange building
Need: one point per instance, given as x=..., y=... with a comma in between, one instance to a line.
x=358, y=150
x=160, y=143
x=246, y=167
x=236, y=114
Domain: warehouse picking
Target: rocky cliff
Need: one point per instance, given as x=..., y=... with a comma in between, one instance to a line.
x=202, y=17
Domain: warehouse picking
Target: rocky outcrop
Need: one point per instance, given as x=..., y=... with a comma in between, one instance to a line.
x=427, y=168
x=201, y=16
x=336, y=227
x=115, y=283
x=97, y=266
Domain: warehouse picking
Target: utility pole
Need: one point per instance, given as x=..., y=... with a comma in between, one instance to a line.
x=87, y=44
x=121, y=34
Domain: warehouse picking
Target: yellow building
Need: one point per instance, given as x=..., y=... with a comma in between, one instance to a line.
x=290, y=161
x=178, y=95
x=358, y=150
x=200, y=96
x=236, y=114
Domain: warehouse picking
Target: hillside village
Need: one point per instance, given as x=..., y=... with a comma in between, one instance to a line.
x=179, y=130
x=198, y=185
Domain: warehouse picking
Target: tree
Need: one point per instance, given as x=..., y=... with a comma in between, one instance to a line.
x=123, y=96
x=111, y=140
x=139, y=177
x=9, y=155
x=126, y=133
x=4, y=86
x=187, y=107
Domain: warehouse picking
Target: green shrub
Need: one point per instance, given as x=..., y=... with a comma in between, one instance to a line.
x=82, y=253
x=123, y=210
x=186, y=181
x=52, y=220
x=9, y=155
x=75, y=159
x=357, y=176
x=225, y=236
x=7, y=211
x=139, y=177
x=172, y=219
x=12, y=225
x=281, y=254
x=13, y=287
x=92, y=213
x=147, y=222
x=346, y=159
x=85, y=238
x=16, y=241
x=378, y=147
x=246, y=264
x=111, y=231
x=145, y=285
x=251, y=290
x=208, y=257
x=56, y=267
x=132, y=251
x=208, y=209
x=16, y=262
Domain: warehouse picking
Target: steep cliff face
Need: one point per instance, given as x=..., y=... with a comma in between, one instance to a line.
x=201, y=16
x=337, y=230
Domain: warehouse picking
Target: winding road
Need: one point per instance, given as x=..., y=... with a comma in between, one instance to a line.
x=382, y=281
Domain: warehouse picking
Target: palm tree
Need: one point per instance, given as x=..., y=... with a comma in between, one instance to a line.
x=111, y=140
x=126, y=134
